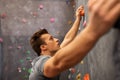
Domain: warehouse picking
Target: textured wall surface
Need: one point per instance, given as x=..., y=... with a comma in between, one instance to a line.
x=101, y=60
x=20, y=18
x=18, y=11
x=116, y=56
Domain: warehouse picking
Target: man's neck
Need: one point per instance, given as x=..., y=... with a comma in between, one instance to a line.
x=45, y=53
x=48, y=53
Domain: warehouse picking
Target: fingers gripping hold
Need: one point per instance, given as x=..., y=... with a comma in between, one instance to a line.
x=81, y=10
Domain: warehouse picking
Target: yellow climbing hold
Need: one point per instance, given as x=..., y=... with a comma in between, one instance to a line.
x=78, y=77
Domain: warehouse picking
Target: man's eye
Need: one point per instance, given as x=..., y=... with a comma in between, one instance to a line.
x=51, y=38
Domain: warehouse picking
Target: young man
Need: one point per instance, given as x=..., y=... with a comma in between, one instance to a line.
x=54, y=58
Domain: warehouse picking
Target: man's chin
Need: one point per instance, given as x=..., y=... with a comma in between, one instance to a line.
x=54, y=51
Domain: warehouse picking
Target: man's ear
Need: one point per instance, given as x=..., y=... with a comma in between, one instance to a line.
x=43, y=47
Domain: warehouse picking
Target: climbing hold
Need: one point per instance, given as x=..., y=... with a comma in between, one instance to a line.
x=67, y=2
x=29, y=70
x=58, y=32
x=73, y=6
x=24, y=20
x=19, y=69
x=21, y=61
x=3, y=15
x=69, y=76
x=82, y=62
x=25, y=76
x=19, y=47
x=69, y=22
x=82, y=13
x=24, y=68
x=84, y=23
x=86, y=76
x=28, y=52
x=73, y=3
x=1, y=40
x=78, y=77
x=72, y=70
x=34, y=14
x=52, y=20
x=10, y=47
x=41, y=6
x=28, y=58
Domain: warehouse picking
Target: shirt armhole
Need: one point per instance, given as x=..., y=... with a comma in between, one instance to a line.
x=41, y=62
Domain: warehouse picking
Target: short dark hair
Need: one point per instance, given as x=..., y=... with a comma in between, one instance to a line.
x=36, y=40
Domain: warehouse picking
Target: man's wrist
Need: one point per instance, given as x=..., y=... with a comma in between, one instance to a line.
x=79, y=18
x=93, y=33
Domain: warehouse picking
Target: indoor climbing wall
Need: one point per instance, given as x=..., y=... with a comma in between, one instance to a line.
x=19, y=20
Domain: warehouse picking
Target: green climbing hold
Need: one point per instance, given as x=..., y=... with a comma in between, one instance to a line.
x=28, y=58
x=23, y=69
x=28, y=52
x=25, y=76
x=29, y=70
x=21, y=61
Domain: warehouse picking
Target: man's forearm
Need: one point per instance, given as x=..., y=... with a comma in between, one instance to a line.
x=71, y=33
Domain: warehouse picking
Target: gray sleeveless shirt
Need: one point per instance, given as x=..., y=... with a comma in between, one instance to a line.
x=37, y=69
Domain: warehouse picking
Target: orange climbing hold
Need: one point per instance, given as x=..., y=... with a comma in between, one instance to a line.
x=82, y=12
x=86, y=77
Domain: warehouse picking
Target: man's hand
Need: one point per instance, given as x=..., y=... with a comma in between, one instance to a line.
x=80, y=12
x=102, y=15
